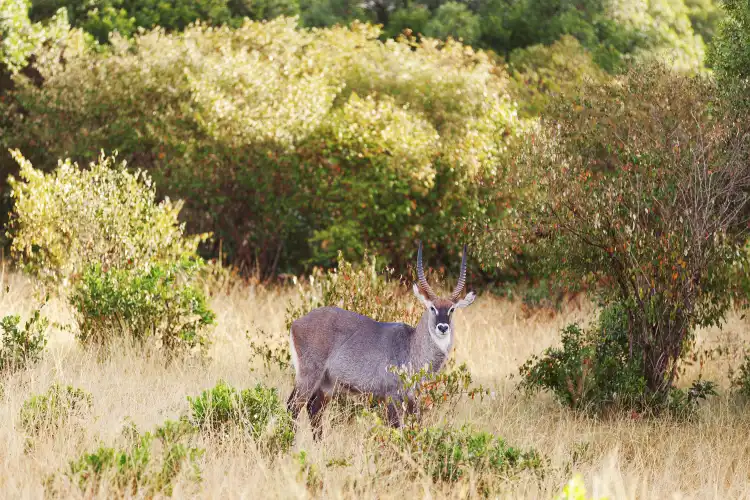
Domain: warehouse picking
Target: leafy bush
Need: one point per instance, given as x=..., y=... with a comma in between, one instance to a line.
x=20, y=39
x=439, y=389
x=296, y=143
x=729, y=54
x=22, y=346
x=138, y=468
x=454, y=19
x=256, y=411
x=103, y=17
x=448, y=454
x=361, y=289
x=54, y=409
x=67, y=219
x=593, y=369
x=541, y=73
x=740, y=380
x=655, y=217
x=157, y=304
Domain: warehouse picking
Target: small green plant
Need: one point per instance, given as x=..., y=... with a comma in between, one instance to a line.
x=444, y=388
x=308, y=473
x=740, y=379
x=54, y=409
x=140, y=467
x=22, y=345
x=257, y=411
x=157, y=304
x=592, y=370
x=277, y=355
x=448, y=454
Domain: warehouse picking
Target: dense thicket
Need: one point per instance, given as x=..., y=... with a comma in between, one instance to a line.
x=287, y=144
x=615, y=31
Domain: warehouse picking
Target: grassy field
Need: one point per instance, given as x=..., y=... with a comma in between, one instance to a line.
x=621, y=457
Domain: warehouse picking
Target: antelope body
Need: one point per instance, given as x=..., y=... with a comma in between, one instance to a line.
x=337, y=350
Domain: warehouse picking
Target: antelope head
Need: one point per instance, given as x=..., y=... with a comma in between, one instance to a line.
x=439, y=310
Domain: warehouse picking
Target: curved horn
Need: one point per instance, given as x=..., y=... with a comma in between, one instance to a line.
x=420, y=276
x=461, y=279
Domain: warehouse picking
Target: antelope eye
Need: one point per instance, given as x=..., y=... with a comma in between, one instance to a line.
x=450, y=311
x=433, y=309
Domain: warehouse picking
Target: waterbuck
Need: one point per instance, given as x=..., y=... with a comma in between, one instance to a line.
x=337, y=350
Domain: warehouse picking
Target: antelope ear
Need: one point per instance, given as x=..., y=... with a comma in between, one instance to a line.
x=466, y=301
x=418, y=293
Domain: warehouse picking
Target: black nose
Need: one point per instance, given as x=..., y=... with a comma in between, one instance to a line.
x=443, y=327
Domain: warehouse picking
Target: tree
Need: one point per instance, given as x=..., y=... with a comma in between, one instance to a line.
x=640, y=187
x=454, y=19
x=729, y=54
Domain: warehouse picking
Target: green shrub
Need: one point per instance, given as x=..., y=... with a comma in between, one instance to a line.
x=319, y=141
x=158, y=305
x=729, y=53
x=54, y=409
x=139, y=468
x=593, y=369
x=65, y=220
x=454, y=19
x=740, y=380
x=448, y=454
x=22, y=346
x=439, y=389
x=20, y=39
x=540, y=73
x=257, y=411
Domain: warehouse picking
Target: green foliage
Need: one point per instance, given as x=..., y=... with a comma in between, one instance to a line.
x=616, y=32
x=445, y=388
x=414, y=18
x=638, y=187
x=54, y=409
x=270, y=354
x=740, y=380
x=67, y=219
x=256, y=411
x=20, y=39
x=156, y=304
x=22, y=345
x=729, y=53
x=454, y=19
x=103, y=17
x=593, y=369
x=448, y=454
x=295, y=144
x=139, y=467
x=540, y=74
x=361, y=289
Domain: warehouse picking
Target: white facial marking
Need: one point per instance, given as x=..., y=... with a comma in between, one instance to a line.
x=443, y=341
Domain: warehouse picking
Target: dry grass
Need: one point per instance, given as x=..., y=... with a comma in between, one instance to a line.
x=621, y=457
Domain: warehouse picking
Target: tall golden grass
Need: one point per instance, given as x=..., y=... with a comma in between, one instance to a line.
x=620, y=456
